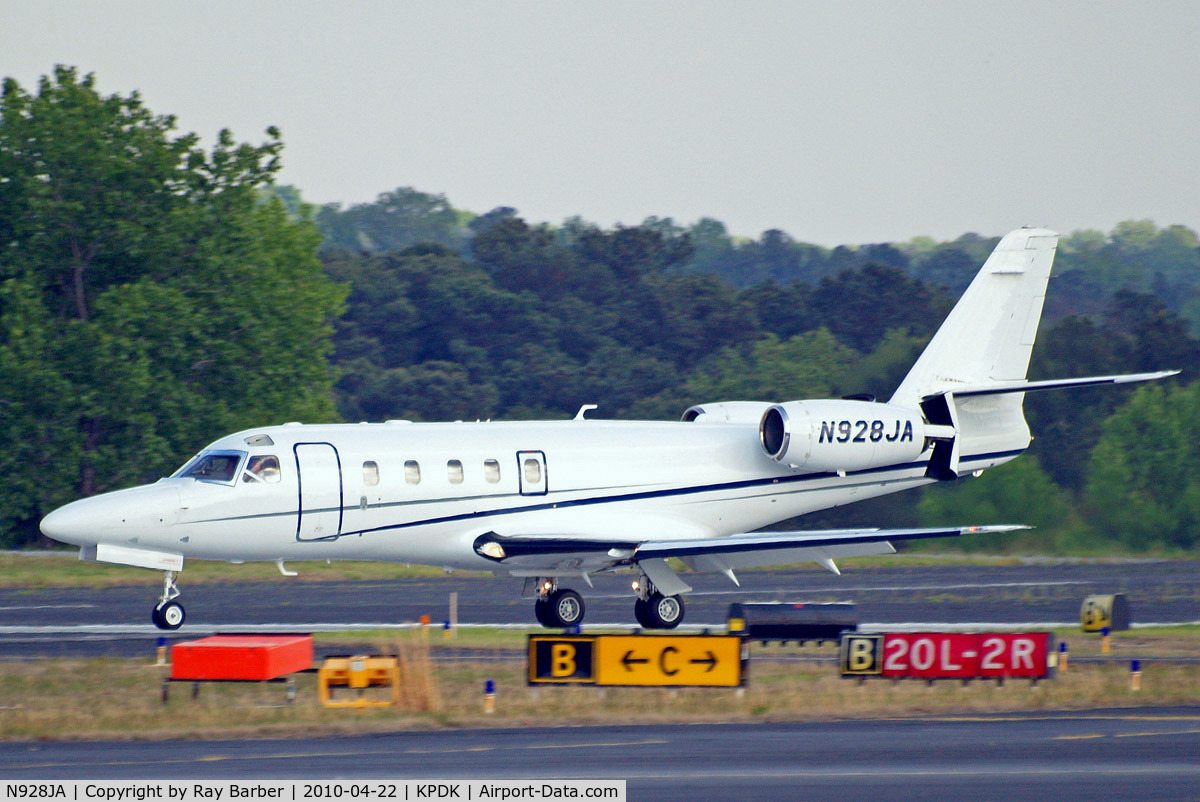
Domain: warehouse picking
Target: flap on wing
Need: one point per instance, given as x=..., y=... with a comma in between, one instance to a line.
x=563, y=552
x=665, y=580
x=828, y=539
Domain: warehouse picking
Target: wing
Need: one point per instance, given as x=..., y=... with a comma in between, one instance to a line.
x=552, y=553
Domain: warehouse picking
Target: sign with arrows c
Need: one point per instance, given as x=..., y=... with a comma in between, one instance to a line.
x=669, y=660
x=649, y=660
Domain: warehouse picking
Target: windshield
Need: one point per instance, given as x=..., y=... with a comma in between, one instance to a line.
x=213, y=466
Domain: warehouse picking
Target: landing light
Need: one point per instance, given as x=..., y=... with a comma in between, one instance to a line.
x=637, y=584
x=547, y=587
x=492, y=549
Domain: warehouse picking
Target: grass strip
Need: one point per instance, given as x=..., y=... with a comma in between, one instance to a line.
x=120, y=699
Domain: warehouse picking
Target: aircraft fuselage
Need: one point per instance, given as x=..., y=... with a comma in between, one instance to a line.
x=421, y=492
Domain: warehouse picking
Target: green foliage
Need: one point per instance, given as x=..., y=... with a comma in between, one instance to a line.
x=396, y=220
x=151, y=296
x=154, y=294
x=1143, y=489
x=860, y=306
x=1018, y=492
x=1136, y=333
x=812, y=365
x=537, y=321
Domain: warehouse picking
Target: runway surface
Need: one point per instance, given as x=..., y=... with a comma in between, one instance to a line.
x=84, y=622
x=1139, y=754
x=1093, y=755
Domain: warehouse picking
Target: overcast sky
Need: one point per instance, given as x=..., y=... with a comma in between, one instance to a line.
x=837, y=122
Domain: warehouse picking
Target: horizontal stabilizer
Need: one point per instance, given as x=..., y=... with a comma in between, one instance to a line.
x=1053, y=384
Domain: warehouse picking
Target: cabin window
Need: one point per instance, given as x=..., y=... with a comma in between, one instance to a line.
x=412, y=472
x=454, y=471
x=213, y=466
x=262, y=468
x=533, y=472
x=491, y=470
x=370, y=473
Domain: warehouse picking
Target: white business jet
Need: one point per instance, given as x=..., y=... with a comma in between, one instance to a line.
x=556, y=501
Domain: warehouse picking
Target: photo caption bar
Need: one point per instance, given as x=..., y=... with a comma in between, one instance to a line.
x=304, y=790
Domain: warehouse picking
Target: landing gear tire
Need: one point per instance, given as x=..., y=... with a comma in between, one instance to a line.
x=169, y=615
x=564, y=608
x=663, y=612
x=639, y=613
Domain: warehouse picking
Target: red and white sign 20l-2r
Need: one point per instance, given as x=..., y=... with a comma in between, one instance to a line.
x=948, y=655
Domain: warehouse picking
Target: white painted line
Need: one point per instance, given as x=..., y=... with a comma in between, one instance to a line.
x=208, y=629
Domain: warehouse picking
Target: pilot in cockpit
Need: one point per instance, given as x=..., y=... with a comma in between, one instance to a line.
x=263, y=469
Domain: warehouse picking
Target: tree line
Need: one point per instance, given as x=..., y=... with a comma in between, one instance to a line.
x=155, y=295
x=525, y=321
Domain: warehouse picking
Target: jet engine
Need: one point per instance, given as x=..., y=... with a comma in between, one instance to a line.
x=842, y=436
x=726, y=412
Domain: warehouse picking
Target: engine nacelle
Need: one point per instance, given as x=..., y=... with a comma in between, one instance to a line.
x=835, y=436
x=727, y=412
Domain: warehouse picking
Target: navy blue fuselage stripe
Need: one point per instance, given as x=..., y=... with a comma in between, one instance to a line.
x=648, y=494
x=639, y=496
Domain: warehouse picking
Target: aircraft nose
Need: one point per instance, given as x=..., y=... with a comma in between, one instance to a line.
x=125, y=513
x=69, y=524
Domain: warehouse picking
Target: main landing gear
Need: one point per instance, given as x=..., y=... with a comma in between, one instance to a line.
x=557, y=607
x=168, y=613
x=653, y=610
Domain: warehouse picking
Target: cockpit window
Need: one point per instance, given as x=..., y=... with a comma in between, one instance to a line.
x=213, y=466
x=262, y=468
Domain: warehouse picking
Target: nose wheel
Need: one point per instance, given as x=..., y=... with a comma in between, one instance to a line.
x=168, y=616
x=168, y=613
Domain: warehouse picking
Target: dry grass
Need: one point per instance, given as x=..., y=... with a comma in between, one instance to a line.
x=87, y=699
x=64, y=569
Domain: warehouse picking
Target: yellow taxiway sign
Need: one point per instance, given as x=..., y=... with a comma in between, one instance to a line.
x=658, y=660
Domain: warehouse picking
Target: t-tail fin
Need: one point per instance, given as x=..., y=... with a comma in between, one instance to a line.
x=970, y=380
x=988, y=336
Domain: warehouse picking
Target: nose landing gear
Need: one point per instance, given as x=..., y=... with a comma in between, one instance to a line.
x=168, y=613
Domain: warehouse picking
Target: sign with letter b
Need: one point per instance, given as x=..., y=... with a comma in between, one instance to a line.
x=860, y=655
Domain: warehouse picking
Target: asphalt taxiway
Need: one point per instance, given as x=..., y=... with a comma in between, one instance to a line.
x=1086, y=755
x=116, y=621
x=1109, y=754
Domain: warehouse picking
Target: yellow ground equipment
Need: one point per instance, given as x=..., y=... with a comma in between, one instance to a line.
x=359, y=673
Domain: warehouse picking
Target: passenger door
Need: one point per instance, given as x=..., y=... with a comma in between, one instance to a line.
x=319, y=514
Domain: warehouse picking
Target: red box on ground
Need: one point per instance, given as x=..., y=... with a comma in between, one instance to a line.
x=241, y=657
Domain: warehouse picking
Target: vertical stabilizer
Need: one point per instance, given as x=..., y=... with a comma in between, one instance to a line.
x=988, y=336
